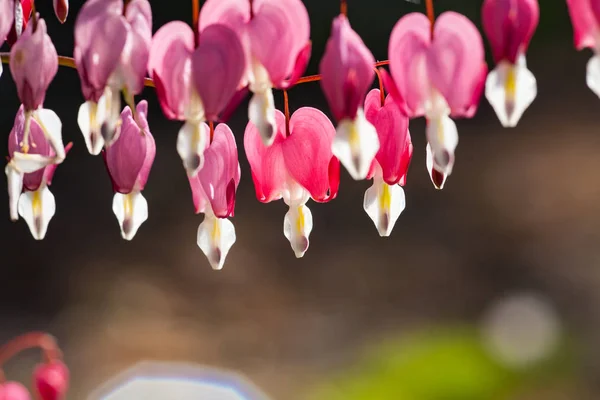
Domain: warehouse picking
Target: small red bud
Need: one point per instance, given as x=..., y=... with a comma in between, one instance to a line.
x=61, y=9
x=13, y=391
x=51, y=380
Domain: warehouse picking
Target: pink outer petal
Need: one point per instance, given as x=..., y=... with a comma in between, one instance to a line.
x=6, y=18
x=269, y=171
x=278, y=33
x=51, y=169
x=218, y=65
x=100, y=36
x=130, y=158
x=346, y=70
x=509, y=26
x=585, y=23
x=307, y=153
x=169, y=66
x=233, y=13
x=394, y=138
x=14, y=391
x=218, y=180
x=33, y=64
x=139, y=16
x=455, y=62
x=299, y=67
x=407, y=51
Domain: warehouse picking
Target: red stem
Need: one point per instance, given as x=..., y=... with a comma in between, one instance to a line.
x=251, y=10
x=344, y=8
x=195, y=16
x=286, y=108
x=28, y=341
x=430, y=14
x=381, y=92
x=211, y=125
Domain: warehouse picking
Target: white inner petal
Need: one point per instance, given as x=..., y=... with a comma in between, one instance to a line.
x=37, y=209
x=593, y=74
x=437, y=178
x=15, y=187
x=384, y=203
x=191, y=143
x=131, y=211
x=215, y=238
x=355, y=144
x=90, y=117
x=52, y=128
x=28, y=163
x=443, y=137
x=112, y=109
x=261, y=112
x=511, y=89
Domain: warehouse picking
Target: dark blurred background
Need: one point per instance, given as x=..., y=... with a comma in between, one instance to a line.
x=520, y=214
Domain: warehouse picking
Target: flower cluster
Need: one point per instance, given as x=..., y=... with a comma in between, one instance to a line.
x=437, y=70
x=50, y=377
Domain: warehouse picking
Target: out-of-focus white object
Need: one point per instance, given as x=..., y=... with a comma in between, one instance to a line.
x=176, y=381
x=521, y=330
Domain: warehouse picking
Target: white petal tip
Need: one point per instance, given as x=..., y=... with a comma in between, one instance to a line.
x=384, y=203
x=215, y=238
x=37, y=209
x=89, y=119
x=355, y=144
x=191, y=142
x=297, y=225
x=261, y=112
x=131, y=211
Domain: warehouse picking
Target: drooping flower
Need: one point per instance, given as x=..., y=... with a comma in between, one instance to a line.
x=276, y=39
x=61, y=9
x=129, y=160
x=213, y=192
x=299, y=165
x=22, y=14
x=29, y=175
x=195, y=84
x=6, y=21
x=346, y=75
x=51, y=380
x=439, y=78
x=13, y=391
x=585, y=16
x=509, y=26
x=111, y=54
x=385, y=200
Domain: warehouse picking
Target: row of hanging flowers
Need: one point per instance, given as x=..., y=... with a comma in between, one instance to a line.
x=436, y=70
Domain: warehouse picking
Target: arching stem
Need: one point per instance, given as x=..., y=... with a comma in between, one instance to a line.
x=286, y=108
x=211, y=125
x=381, y=92
x=430, y=13
x=344, y=8
x=28, y=341
x=195, y=16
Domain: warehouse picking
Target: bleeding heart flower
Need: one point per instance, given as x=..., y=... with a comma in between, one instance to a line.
x=51, y=380
x=33, y=64
x=111, y=54
x=299, y=165
x=585, y=16
x=385, y=200
x=129, y=160
x=14, y=391
x=509, y=26
x=213, y=192
x=437, y=78
x=22, y=13
x=346, y=75
x=275, y=35
x=61, y=9
x=195, y=84
x=6, y=20
x=29, y=174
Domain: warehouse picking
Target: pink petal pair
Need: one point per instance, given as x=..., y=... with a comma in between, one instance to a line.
x=195, y=84
x=585, y=16
x=347, y=72
x=129, y=160
x=13, y=391
x=213, y=192
x=275, y=34
x=33, y=64
x=437, y=77
x=385, y=200
x=112, y=47
x=509, y=26
x=295, y=167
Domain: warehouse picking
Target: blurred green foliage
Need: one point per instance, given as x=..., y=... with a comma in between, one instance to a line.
x=451, y=364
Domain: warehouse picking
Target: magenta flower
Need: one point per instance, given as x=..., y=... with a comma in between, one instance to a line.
x=509, y=26
x=61, y=9
x=30, y=174
x=213, y=192
x=585, y=16
x=346, y=75
x=276, y=35
x=129, y=160
x=13, y=391
x=385, y=200
x=195, y=84
x=33, y=64
x=437, y=78
x=299, y=165
x=111, y=54
x=51, y=380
